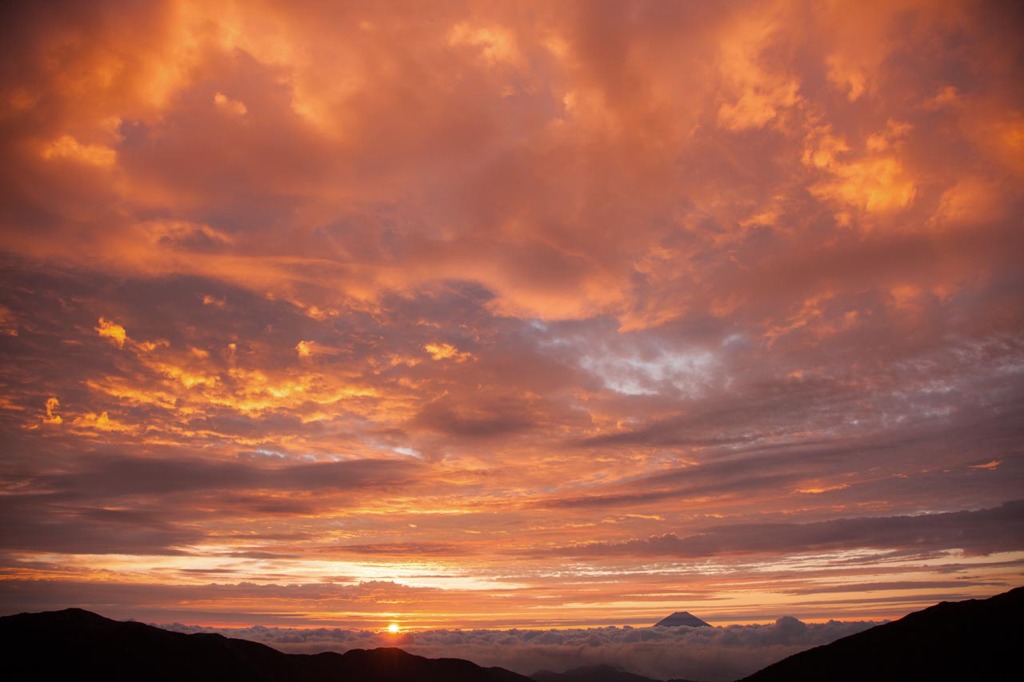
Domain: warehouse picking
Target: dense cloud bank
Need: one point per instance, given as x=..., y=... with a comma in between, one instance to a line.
x=714, y=654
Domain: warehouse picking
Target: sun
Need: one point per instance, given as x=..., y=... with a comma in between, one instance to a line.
x=394, y=629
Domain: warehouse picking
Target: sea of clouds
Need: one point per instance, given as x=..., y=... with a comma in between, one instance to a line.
x=712, y=654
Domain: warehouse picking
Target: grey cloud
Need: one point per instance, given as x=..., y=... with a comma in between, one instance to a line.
x=757, y=467
x=115, y=475
x=66, y=511
x=32, y=522
x=476, y=421
x=983, y=531
x=910, y=462
x=887, y=586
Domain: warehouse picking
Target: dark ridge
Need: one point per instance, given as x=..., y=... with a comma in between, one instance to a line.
x=593, y=673
x=77, y=644
x=968, y=640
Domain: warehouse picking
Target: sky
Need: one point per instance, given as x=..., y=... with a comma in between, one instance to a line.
x=510, y=314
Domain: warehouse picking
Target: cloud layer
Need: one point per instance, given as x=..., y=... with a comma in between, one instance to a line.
x=716, y=654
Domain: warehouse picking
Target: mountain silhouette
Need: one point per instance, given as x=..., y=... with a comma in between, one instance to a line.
x=681, y=618
x=590, y=673
x=593, y=673
x=77, y=644
x=967, y=640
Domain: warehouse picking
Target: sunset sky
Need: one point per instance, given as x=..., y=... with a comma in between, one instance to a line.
x=510, y=314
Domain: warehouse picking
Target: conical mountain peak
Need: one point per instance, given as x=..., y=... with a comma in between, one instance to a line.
x=682, y=618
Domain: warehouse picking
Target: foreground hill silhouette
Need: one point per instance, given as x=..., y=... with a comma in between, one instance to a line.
x=77, y=644
x=967, y=640
x=593, y=673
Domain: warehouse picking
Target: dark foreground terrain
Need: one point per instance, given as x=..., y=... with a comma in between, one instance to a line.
x=594, y=673
x=76, y=644
x=979, y=639
x=969, y=640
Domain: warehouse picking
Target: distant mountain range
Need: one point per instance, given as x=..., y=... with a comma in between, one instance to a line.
x=76, y=644
x=968, y=640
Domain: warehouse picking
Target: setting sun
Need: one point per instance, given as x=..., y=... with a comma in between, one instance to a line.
x=394, y=629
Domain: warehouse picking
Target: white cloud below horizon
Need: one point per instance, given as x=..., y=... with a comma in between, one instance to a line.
x=712, y=654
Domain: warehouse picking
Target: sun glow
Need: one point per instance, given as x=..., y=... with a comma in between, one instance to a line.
x=394, y=629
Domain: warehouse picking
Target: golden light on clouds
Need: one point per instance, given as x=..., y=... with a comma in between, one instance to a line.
x=52, y=404
x=537, y=314
x=229, y=106
x=446, y=351
x=67, y=147
x=112, y=331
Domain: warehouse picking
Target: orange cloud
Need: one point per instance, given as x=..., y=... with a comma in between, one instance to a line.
x=875, y=182
x=51, y=412
x=67, y=147
x=112, y=331
x=8, y=324
x=994, y=464
x=232, y=107
x=446, y=351
x=91, y=421
x=496, y=44
x=972, y=201
x=304, y=349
